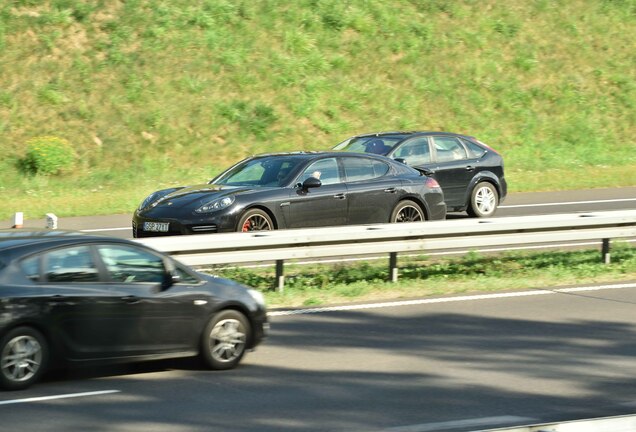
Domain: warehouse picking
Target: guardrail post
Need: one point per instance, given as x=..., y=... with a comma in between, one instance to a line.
x=280, y=277
x=393, y=269
x=605, y=251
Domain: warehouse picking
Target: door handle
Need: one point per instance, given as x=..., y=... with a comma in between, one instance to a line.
x=470, y=168
x=389, y=190
x=339, y=196
x=131, y=299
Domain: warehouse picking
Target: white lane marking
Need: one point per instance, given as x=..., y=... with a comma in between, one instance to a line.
x=484, y=421
x=448, y=299
x=567, y=203
x=106, y=229
x=54, y=397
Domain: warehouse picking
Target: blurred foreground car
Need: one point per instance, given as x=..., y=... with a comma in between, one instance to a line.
x=294, y=190
x=470, y=173
x=70, y=297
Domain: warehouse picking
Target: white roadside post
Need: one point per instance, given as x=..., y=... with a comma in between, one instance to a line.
x=18, y=220
x=51, y=221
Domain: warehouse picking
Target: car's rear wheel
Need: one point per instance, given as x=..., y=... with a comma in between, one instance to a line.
x=225, y=339
x=483, y=200
x=23, y=358
x=255, y=220
x=407, y=211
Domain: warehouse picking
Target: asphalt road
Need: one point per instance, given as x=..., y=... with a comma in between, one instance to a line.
x=519, y=204
x=447, y=364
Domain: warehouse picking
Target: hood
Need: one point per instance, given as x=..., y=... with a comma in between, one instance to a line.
x=198, y=194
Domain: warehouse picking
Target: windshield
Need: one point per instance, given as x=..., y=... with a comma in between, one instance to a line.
x=370, y=144
x=270, y=171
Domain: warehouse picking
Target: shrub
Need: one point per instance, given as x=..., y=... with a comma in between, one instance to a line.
x=48, y=155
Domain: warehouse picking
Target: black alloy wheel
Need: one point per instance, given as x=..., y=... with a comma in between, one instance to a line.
x=255, y=220
x=407, y=211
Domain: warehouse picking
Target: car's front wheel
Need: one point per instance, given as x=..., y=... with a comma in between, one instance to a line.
x=407, y=211
x=483, y=200
x=255, y=220
x=23, y=358
x=225, y=339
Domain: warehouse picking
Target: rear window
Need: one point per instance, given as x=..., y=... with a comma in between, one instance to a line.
x=364, y=169
x=474, y=150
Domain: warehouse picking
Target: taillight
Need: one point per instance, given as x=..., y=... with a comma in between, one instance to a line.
x=431, y=182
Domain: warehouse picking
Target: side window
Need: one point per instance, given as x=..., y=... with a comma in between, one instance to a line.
x=31, y=267
x=326, y=170
x=449, y=149
x=186, y=277
x=74, y=264
x=474, y=151
x=414, y=152
x=358, y=169
x=131, y=265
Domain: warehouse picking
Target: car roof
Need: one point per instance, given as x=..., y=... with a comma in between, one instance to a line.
x=17, y=238
x=315, y=154
x=409, y=133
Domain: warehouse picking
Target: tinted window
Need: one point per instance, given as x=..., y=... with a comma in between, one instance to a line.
x=326, y=170
x=31, y=267
x=414, y=152
x=449, y=149
x=186, y=277
x=474, y=150
x=363, y=169
x=131, y=264
x=74, y=264
x=266, y=171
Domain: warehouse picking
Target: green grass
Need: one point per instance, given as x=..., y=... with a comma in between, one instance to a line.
x=421, y=276
x=157, y=93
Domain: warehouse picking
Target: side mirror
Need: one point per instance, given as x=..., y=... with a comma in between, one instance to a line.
x=311, y=182
x=401, y=160
x=169, y=279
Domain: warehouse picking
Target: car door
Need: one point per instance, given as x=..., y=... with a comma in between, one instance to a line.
x=82, y=310
x=158, y=317
x=452, y=169
x=371, y=193
x=325, y=205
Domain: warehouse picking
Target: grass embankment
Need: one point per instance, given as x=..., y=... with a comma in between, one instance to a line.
x=157, y=93
x=421, y=276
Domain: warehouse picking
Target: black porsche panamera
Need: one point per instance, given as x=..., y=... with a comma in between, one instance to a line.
x=294, y=190
x=470, y=172
x=73, y=298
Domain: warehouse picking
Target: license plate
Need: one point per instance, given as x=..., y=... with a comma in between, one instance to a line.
x=156, y=226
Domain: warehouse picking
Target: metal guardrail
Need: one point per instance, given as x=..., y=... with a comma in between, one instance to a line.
x=625, y=423
x=360, y=240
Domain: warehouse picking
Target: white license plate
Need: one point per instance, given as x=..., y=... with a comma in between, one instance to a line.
x=156, y=226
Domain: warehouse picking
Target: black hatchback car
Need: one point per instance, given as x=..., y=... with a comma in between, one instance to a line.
x=294, y=190
x=470, y=172
x=70, y=297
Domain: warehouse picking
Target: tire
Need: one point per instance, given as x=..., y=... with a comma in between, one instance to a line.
x=407, y=211
x=484, y=200
x=225, y=339
x=23, y=358
x=255, y=220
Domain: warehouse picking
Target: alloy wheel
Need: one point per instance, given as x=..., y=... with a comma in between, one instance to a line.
x=21, y=358
x=227, y=340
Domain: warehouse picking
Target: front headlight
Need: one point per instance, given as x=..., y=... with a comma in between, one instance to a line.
x=216, y=205
x=257, y=296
